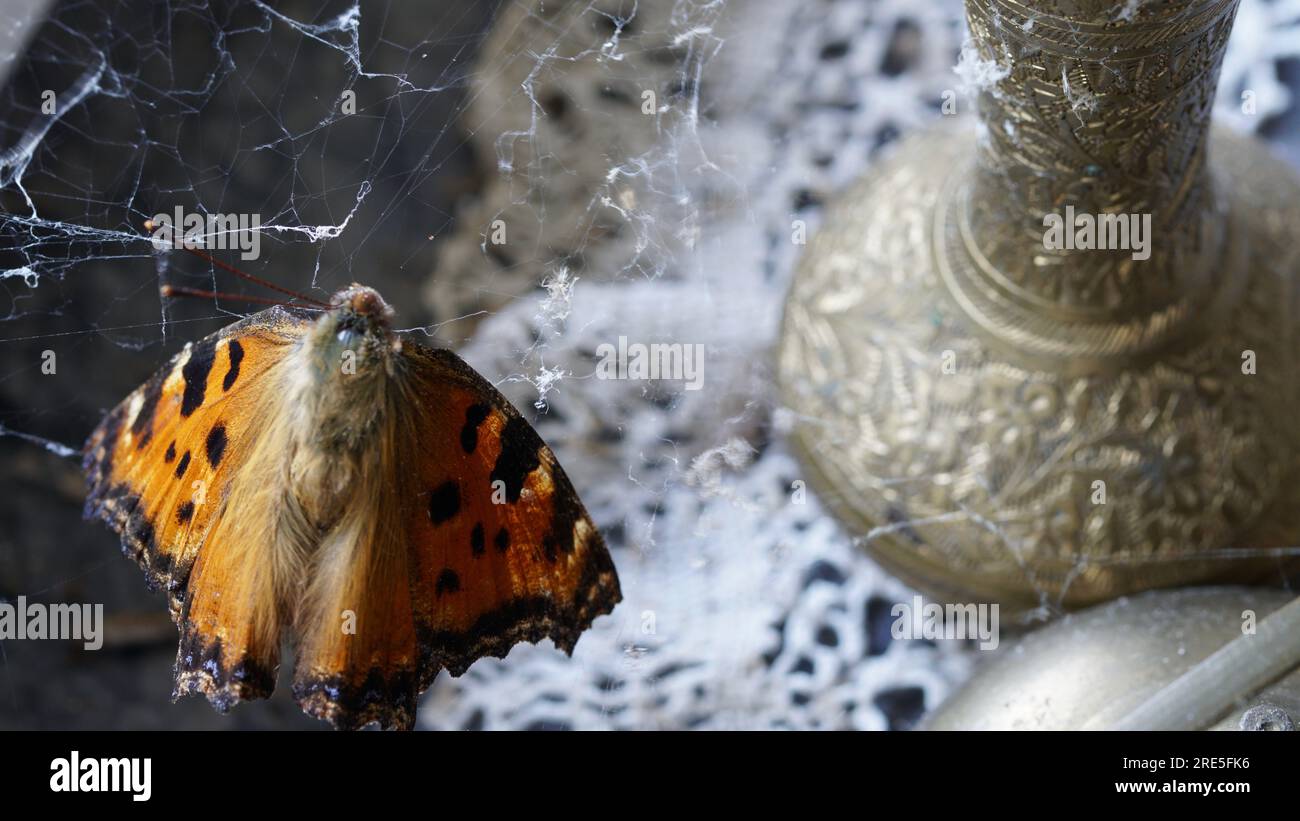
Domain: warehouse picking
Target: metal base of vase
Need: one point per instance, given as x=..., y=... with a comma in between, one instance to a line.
x=1089, y=669
x=988, y=447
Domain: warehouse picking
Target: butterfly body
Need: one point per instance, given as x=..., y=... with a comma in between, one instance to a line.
x=311, y=475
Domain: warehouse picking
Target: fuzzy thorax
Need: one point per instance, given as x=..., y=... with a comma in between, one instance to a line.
x=341, y=392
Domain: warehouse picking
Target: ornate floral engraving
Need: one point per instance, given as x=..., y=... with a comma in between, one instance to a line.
x=983, y=479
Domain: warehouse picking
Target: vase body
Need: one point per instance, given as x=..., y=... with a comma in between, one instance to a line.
x=1000, y=416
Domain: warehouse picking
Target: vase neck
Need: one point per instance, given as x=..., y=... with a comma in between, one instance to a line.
x=1091, y=108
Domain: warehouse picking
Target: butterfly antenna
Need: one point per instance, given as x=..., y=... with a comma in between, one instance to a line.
x=170, y=291
x=149, y=226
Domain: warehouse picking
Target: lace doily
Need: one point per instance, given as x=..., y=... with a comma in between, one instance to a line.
x=745, y=604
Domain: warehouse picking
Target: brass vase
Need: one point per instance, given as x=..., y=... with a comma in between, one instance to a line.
x=1003, y=419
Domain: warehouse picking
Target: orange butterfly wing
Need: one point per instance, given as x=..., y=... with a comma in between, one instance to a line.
x=159, y=468
x=464, y=577
x=504, y=550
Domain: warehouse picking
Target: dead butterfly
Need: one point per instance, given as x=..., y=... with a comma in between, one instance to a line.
x=307, y=472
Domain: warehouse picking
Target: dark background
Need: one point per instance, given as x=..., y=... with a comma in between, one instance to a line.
x=191, y=89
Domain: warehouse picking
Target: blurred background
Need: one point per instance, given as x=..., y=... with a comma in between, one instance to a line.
x=645, y=159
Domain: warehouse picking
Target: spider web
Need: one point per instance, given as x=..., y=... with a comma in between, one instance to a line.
x=667, y=222
x=224, y=108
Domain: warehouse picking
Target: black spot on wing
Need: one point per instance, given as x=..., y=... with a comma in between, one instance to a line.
x=142, y=427
x=184, y=513
x=141, y=529
x=195, y=372
x=520, y=446
x=477, y=541
x=236, y=356
x=444, y=502
x=170, y=455
x=502, y=540
x=474, y=416
x=182, y=465
x=216, y=444
x=448, y=582
x=566, y=513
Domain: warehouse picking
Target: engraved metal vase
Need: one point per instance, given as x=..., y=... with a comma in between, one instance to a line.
x=999, y=419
